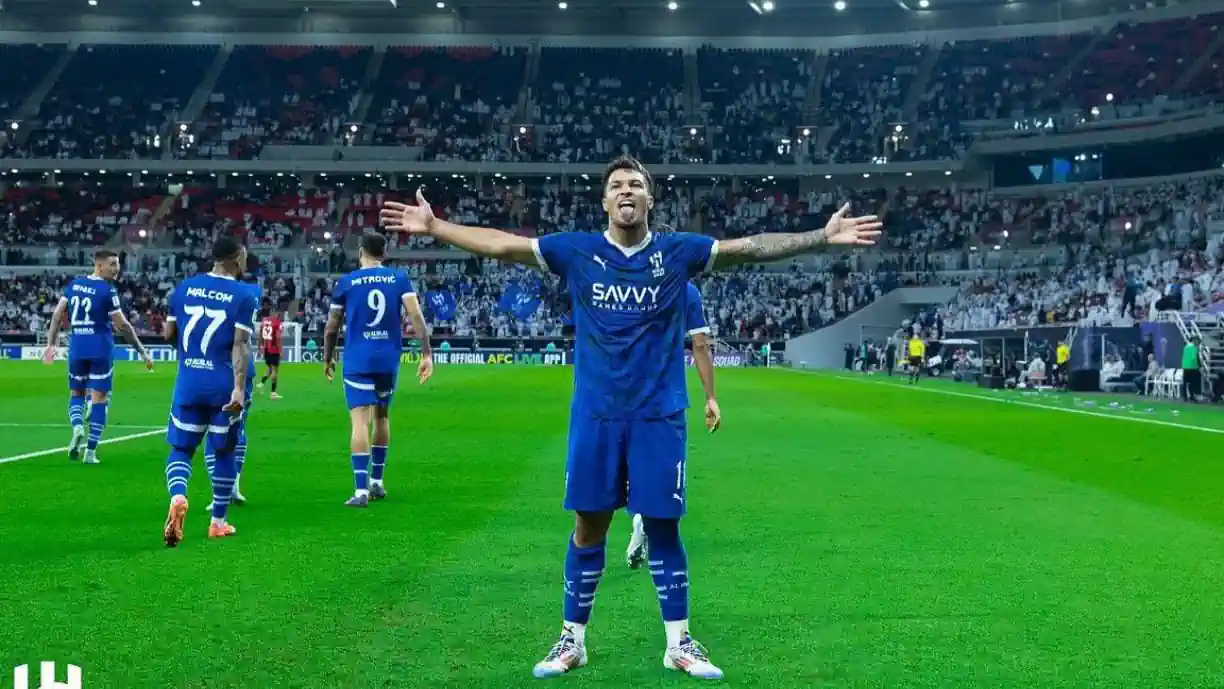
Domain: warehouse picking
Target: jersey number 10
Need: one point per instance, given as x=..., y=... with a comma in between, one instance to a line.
x=216, y=318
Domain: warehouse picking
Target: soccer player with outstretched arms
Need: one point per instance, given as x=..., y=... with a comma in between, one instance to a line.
x=627, y=435
x=212, y=321
x=368, y=303
x=698, y=330
x=94, y=315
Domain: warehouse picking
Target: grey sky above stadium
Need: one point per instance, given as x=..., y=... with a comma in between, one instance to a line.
x=535, y=17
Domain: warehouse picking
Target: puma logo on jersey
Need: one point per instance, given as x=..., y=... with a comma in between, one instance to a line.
x=601, y=263
x=623, y=295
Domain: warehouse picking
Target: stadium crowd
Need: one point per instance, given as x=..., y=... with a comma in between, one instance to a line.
x=1123, y=251
x=902, y=102
x=1120, y=250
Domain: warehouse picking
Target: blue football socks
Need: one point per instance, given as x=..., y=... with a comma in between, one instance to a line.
x=378, y=462
x=178, y=472
x=583, y=568
x=361, y=471
x=668, y=567
x=97, y=424
x=76, y=411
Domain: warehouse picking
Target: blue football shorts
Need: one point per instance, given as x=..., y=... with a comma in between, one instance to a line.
x=191, y=423
x=634, y=463
x=90, y=374
x=369, y=389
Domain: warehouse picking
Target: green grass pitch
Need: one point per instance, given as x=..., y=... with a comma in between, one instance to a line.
x=842, y=533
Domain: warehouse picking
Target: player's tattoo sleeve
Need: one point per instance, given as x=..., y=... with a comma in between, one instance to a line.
x=241, y=359
x=124, y=327
x=419, y=326
x=762, y=248
x=331, y=335
x=57, y=320
x=703, y=359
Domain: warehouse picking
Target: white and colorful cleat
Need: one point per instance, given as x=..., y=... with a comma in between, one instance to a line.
x=362, y=500
x=565, y=655
x=377, y=491
x=636, y=553
x=692, y=659
x=77, y=444
x=91, y=457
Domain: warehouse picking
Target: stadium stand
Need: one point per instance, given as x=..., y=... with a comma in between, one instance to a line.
x=117, y=101
x=451, y=103
x=1066, y=255
x=280, y=94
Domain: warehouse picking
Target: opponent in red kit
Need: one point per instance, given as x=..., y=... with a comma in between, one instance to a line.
x=270, y=345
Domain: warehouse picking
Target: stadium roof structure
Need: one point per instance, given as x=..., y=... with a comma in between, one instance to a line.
x=713, y=18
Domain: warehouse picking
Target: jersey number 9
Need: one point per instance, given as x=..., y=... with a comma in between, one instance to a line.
x=377, y=301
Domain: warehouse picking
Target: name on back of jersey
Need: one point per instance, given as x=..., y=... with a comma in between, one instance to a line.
x=374, y=280
x=210, y=294
x=84, y=289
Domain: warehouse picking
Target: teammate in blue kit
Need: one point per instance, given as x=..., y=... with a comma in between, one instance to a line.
x=94, y=315
x=627, y=435
x=698, y=330
x=367, y=302
x=240, y=450
x=212, y=319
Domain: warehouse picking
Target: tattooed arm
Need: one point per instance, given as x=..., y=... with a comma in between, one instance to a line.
x=763, y=248
x=240, y=355
x=123, y=326
x=331, y=335
x=57, y=319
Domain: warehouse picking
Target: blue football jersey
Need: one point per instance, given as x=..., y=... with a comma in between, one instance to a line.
x=629, y=318
x=211, y=311
x=372, y=300
x=91, y=301
x=694, y=312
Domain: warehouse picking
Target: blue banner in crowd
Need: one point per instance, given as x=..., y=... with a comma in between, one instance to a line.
x=520, y=300
x=441, y=304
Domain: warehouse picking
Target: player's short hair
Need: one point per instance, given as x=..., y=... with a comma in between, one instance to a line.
x=225, y=248
x=632, y=164
x=104, y=255
x=374, y=245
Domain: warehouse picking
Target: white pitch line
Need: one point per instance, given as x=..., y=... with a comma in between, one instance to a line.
x=108, y=441
x=1022, y=403
x=65, y=426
